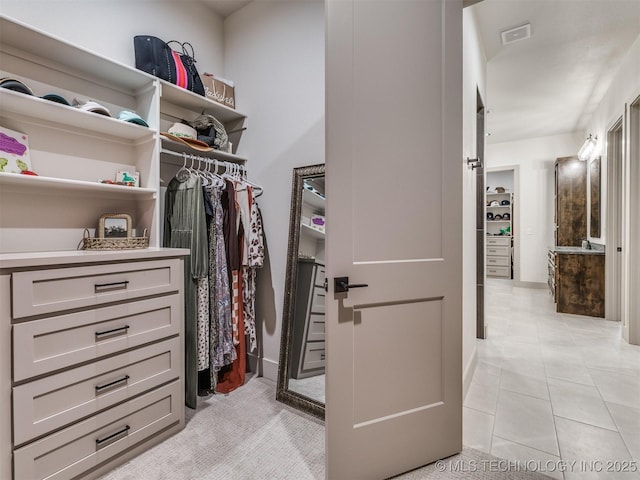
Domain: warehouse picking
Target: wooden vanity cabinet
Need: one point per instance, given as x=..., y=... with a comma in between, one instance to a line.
x=578, y=281
x=571, y=202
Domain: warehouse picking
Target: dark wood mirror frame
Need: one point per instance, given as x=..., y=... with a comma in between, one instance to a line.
x=283, y=394
x=594, y=197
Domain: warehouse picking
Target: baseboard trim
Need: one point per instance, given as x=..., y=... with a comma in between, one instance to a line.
x=263, y=367
x=270, y=369
x=538, y=285
x=469, y=371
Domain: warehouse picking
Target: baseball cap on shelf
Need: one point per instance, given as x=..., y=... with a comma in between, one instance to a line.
x=494, y=203
x=181, y=133
x=54, y=97
x=91, y=106
x=505, y=202
x=132, y=117
x=15, y=85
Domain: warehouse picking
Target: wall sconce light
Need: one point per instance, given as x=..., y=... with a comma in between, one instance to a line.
x=588, y=149
x=474, y=163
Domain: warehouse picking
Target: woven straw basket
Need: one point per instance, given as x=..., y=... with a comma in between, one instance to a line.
x=89, y=243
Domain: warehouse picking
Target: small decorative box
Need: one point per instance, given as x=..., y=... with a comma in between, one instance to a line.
x=317, y=222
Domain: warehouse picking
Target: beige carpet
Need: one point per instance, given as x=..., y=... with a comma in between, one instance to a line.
x=247, y=435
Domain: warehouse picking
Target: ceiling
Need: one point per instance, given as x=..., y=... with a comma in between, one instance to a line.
x=552, y=82
x=224, y=8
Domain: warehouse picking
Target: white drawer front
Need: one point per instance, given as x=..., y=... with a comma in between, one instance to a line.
x=499, y=241
x=498, y=251
x=53, y=343
x=319, y=280
x=315, y=330
x=499, y=272
x=57, y=400
x=313, y=356
x=317, y=301
x=499, y=261
x=46, y=291
x=74, y=450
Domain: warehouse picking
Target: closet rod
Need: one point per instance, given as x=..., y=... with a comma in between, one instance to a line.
x=242, y=169
x=222, y=163
x=198, y=157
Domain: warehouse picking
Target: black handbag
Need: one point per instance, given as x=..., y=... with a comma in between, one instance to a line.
x=160, y=60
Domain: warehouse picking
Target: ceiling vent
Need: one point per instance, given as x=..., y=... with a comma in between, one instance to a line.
x=516, y=34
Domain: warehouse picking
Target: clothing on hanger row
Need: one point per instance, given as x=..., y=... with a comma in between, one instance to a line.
x=217, y=217
x=211, y=166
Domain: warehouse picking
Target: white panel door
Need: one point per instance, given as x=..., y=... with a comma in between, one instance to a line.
x=394, y=191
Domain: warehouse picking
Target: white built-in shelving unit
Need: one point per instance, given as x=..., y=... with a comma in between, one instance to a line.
x=499, y=241
x=100, y=332
x=73, y=150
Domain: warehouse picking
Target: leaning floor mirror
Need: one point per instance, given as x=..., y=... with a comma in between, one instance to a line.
x=301, y=373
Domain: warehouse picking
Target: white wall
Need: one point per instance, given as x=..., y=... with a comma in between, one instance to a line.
x=624, y=88
x=275, y=53
x=533, y=215
x=474, y=79
x=108, y=26
x=501, y=178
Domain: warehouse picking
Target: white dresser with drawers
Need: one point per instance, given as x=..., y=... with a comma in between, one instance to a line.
x=308, y=348
x=498, y=258
x=91, y=367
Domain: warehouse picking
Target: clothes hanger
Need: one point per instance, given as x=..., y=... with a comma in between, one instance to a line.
x=201, y=173
x=256, y=189
x=184, y=172
x=206, y=172
x=218, y=178
x=228, y=170
x=213, y=179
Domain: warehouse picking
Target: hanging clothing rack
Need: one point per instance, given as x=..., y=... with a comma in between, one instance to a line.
x=211, y=161
x=228, y=166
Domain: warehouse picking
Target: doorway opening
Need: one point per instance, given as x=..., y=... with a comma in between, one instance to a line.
x=614, y=264
x=481, y=331
x=501, y=234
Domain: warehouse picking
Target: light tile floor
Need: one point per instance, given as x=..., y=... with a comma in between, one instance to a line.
x=551, y=389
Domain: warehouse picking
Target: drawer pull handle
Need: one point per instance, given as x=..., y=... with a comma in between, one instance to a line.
x=101, y=441
x=322, y=356
x=108, y=287
x=111, y=384
x=113, y=330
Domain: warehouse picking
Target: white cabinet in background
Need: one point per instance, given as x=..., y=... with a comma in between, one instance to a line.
x=308, y=352
x=499, y=230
